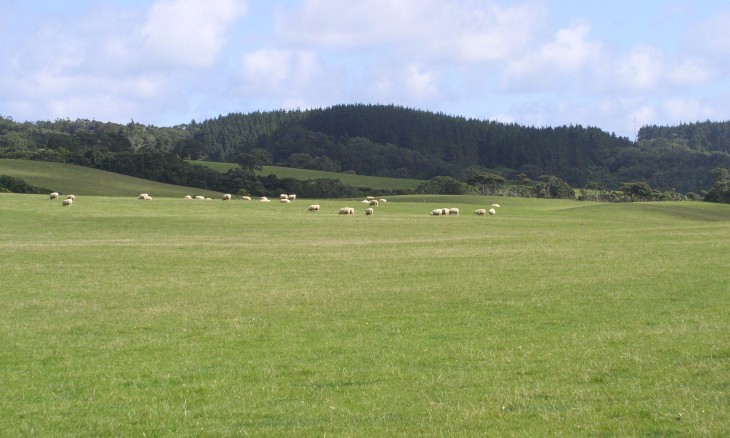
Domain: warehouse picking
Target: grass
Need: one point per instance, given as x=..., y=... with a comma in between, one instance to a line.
x=79, y=180
x=373, y=182
x=184, y=318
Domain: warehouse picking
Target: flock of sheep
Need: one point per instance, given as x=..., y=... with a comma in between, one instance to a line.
x=288, y=198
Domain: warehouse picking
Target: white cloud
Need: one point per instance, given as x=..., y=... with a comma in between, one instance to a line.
x=188, y=33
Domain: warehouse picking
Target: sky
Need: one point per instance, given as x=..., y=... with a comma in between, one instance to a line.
x=616, y=65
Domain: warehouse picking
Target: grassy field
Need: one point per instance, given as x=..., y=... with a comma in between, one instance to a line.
x=208, y=318
x=373, y=182
x=78, y=180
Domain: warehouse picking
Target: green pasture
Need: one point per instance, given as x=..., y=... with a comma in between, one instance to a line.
x=169, y=317
x=373, y=182
x=78, y=180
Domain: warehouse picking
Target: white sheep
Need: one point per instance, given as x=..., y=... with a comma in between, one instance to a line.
x=480, y=212
x=436, y=212
x=71, y=197
x=369, y=211
x=187, y=197
x=346, y=210
x=227, y=197
x=284, y=200
x=264, y=199
x=313, y=207
x=67, y=202
x=54, y=195
x=383, y=201
x=454, y=211
x=444, y=211
x=492, y=211
x=199, y=197
x=283, y=196
x=144, y=196
x=374, y=202
x=292, y=197
x=246, y=198
x=365, y=201
x=370, y=198
x=495, y=205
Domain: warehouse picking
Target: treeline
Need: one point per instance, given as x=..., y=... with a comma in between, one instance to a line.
x=382, y=140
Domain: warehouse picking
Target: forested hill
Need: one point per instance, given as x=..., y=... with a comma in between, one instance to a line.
x=401, y=142
x=394, y=141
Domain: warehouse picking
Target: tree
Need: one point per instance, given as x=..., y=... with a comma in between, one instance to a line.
x=720, y=192
x=636, y=191
x=249, y=161
x=443, y=185
x=487, y=183
x=552, y=187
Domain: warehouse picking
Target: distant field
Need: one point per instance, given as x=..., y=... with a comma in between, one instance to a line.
x=170, y=317
x=374, y=182
x=67, y=179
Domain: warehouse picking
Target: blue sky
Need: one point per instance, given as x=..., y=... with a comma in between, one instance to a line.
x=611, y=64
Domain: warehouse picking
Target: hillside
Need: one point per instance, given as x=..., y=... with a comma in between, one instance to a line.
x=385, y=141
x=80, y=180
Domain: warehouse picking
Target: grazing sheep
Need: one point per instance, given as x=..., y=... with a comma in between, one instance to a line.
x=67, y=202
x=369, y=211
x=313, y=207
x=54, y=195
x=71, y=197
x=292, y=197
x=383, y=201
x=374, y=202
x=227, y=197
x=284, y=200
x=246, y=198
x=444, y=211
x=436, y=212
x=283, y=196
x=188, y=197
x=495, y=205
x=492, y=211
x=144, y=196
x=454, y=211
x=369, y=198
x=200, y=197
x=346, y=210
x=480, y=212
x=365, y=201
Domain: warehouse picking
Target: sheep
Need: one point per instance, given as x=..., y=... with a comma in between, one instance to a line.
x=71, y=197
x=144, y=196
x=284, y=201
x=313, y=207
x=188, y=197
x=227, y=197
x=246, y=198
x=369, y=211
x=383, y=201
x=67, y=202
x=444, y=211
x=495, y=205
x=283, y=196
x=346, y=210
x=480, y=212
x=374, y=202
x=54, y=195
x=200, y=197
x=264, y=199
x=454, y=211
x=369, y=198
x=436, y=212
x=292, y=197
x=365, y=201
x=492, y=211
